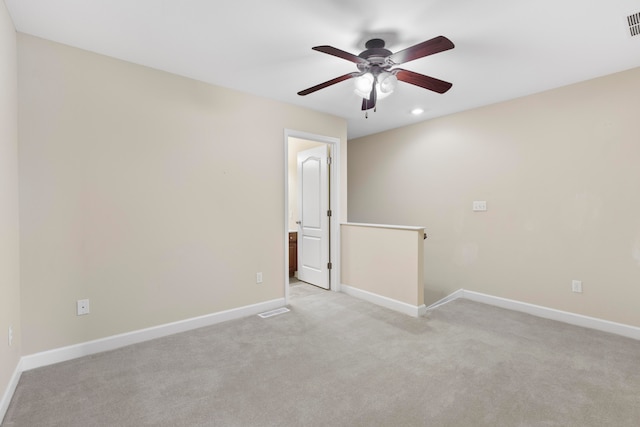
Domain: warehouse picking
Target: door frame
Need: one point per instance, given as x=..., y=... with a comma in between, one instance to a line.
x=334, y=200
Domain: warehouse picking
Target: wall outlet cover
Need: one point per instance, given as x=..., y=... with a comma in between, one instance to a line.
x=576, y=286
x=82, y=307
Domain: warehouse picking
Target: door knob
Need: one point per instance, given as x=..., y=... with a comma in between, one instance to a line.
x=298, y=222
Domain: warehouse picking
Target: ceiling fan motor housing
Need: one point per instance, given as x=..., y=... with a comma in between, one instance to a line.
x=376, y=55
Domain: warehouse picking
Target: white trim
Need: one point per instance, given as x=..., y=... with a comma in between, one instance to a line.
x=390, y=303
x=457, y=294
x=286, y=216
x=550, y=313
x=11, y=388
x=334, y=197
x=116, y=341
x=393, y=227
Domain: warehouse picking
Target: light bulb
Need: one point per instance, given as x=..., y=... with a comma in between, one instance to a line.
x=363, y=85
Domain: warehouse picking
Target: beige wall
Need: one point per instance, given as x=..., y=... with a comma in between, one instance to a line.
x=559, y=171
x=157, y=197
x=9, y=233
x=385, y=261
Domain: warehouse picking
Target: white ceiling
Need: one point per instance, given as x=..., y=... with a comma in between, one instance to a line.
x=504, y=48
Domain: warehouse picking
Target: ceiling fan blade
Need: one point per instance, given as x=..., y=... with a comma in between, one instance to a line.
x=368, y=104
x=340, y=54
x=435, y=45
x=421, y=80
x=328, y=83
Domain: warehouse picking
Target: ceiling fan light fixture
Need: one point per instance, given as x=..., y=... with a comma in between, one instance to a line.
x=385, y=84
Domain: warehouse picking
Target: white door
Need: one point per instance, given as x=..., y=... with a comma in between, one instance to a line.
x=313, y=216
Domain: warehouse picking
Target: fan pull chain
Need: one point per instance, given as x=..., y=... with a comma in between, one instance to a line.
x=366, y=112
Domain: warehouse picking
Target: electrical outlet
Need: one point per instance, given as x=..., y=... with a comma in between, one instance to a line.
x=10, y=335
x=82, y=307
x=576, y=286
x=259, y=277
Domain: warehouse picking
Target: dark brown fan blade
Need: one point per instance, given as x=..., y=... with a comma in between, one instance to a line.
x=435, y=45
x=328, y=83
x=368, y=104
x=421, y=80
x=340, y=54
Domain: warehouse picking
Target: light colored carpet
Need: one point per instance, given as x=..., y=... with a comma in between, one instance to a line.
x=337, y=361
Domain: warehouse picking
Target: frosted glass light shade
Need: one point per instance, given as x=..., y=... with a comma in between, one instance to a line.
x=363, y=85
x=386, y=83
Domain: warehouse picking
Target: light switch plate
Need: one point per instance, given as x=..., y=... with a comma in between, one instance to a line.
x=479, y=205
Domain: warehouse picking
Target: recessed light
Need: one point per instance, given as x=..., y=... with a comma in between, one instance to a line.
x=417, y=111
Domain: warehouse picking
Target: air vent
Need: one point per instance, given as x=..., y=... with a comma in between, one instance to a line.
x=274, y=312
x=634, y=24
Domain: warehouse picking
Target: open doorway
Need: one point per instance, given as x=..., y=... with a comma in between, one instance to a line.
x=309, y=191
x=311, y=256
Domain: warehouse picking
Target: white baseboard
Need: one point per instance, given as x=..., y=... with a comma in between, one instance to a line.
x=457, y=294
x=548, y=313
x=11, y=388
x=116, y=341
x=402, y=307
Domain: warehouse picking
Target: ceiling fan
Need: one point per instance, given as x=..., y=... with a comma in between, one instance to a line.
x=376, y=78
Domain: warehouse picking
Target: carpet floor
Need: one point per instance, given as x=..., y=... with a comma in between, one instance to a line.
x=334, y=360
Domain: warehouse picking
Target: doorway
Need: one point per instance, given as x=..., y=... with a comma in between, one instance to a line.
x=317, y=254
